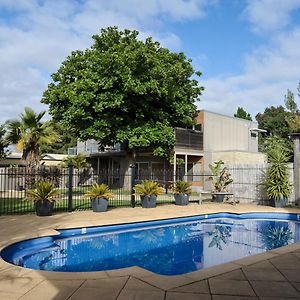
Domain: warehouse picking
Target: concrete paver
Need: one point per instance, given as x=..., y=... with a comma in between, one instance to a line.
x=233, y=275
x=200, y=287
x=89, y=293
x=137, y=284
x=266, y=275
x=141, y=295
x=184, y=296
x=53, y=289
x=274, y=289
x=286, y=261
x=231, y=287
x=273, y=275
x=224, y=297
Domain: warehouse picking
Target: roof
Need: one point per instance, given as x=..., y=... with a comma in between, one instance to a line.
x=223, y=115
x=46, y=156
x=53, y=156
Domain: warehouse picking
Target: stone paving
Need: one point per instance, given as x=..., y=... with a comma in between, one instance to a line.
x=271, y=275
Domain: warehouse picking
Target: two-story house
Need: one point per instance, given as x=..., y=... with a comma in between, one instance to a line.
x=214, y=137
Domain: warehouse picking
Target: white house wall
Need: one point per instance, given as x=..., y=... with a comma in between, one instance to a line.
x=223, y=133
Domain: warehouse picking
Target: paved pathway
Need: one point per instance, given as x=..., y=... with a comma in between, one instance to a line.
x=271, y=275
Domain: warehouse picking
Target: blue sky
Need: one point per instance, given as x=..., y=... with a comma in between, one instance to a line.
x=247, y=50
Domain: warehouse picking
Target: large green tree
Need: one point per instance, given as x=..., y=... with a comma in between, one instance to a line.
x=124, y=90
x=242, y=114
x=29, y=133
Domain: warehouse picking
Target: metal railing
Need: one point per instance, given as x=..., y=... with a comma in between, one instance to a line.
x=73, y=184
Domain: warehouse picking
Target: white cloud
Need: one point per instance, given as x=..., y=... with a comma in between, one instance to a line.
x=268, y=73
x=269, y=15
x=38, y=35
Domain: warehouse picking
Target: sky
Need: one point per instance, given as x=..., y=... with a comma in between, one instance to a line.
x=247, y=50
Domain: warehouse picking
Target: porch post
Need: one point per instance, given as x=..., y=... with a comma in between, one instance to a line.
x=174, y=168
x=185, y=167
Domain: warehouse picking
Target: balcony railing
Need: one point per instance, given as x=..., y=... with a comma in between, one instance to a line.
x=189, y=139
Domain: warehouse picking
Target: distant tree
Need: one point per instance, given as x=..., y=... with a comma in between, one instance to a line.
x=273, y=119
x=290, y=104
x=242, y=114
x=29, y=134
x=124, y=90
x=293, y=116
x=3, y=143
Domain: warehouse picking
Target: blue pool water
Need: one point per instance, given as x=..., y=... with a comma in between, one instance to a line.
x=168, y=247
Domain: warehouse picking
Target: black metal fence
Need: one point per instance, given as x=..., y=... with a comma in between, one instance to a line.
x=73, y=184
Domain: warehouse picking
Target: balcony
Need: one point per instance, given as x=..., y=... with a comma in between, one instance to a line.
x=188, y=139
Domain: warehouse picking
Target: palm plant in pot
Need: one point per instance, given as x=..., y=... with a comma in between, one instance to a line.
x=220, y=178
x=277, y=185
x=99, y=195
x=148, y=190
x=182, y=191
x=44, y=195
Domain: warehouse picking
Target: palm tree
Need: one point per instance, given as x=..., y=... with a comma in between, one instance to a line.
x=29, y=134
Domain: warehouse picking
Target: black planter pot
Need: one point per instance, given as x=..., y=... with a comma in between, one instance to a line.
x=44, y=208
x=181, y=199
x=219, y=197
x=99, y=204
x=279, y=202
x=148, y=201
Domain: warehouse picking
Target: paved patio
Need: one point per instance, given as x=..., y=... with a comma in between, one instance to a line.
x=271, y=275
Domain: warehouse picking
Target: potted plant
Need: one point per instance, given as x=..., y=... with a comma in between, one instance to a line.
x=148, y=190
x=182, y=191
x=221, y=178
x=44, y=196
x=277, y=184
x=99, y=195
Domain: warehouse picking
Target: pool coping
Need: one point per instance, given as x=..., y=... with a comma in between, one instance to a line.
x=140, y=272
x=163, y=282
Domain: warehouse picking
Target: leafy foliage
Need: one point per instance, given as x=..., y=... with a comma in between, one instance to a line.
x=273, y=119
x=78, y=161
x=242, y=114
x=99, y=191
x=182, y=187
x=220, y=176
x=274, y=142
x=148, y=188
x=44, y=191
x=277, y=179
x=219, y=234
x=293, y=117
x=30, y=133
x=276, y=236
x=124, y=90
x=66, y=140
x=3, y=142
x=290, y=104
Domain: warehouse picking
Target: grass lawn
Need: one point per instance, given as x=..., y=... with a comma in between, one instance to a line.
x=13, y=204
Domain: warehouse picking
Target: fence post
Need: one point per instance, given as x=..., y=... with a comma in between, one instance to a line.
x=70, y=187
x=132, y=183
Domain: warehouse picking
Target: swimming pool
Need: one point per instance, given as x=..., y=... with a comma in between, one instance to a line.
x=168, y=247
